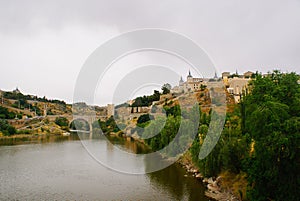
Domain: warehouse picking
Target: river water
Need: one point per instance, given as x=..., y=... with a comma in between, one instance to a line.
x=60, y=168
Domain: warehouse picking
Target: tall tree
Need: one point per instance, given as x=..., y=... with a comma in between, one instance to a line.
x=272, y=119
x=166, y=88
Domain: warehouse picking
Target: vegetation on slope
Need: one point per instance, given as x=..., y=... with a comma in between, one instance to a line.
x=260, y=140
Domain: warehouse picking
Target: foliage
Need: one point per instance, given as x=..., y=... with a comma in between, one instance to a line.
x=108, y=126
x=203, y=87
x=174, y=111
x=172, y=134
x=20, y=96
x=166, y=88
x=62, y=121
x=146, y=100
x=5, y=114
x=144, y=118
x=6, y=128
x=261, y=138
x=271, y=117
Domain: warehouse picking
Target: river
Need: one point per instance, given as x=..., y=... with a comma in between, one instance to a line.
x=60, y=168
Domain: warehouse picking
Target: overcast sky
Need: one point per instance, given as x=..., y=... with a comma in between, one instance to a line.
x=43, y=44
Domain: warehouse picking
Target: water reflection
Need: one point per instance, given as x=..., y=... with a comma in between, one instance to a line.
x=175, y=180
x=64, y=171
x=127, y=144
x=37, y=139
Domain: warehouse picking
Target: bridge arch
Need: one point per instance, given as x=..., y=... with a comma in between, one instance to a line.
x=80, y=124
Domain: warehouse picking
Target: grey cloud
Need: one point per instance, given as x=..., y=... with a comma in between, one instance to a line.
x=243, y=35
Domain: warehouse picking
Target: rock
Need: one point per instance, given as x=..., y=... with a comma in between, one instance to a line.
x=199, y=175
x=215, y=183
x=213, y=188
x=219, y=178
x=210, y=181
x=195, y=171
x=221, y=196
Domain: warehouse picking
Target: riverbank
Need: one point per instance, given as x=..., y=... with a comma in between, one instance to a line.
x=32, y=139
x=215, y=188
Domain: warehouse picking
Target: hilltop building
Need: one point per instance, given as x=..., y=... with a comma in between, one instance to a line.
x=248, y=74
x=110, y=110
x=17, y=91
x=236, y=84
x=191, y=84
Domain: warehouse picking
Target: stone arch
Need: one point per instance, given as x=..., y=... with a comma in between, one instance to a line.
x=81, y=124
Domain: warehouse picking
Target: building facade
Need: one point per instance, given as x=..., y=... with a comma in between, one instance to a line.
x=191, y=84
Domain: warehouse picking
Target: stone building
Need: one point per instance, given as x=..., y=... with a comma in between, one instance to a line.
x=236, y=84
x=248, y=74
x=17, y=91
x=110, y=110
x=191, y=84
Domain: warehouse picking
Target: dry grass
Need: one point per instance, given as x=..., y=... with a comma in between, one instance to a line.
x=235, y=183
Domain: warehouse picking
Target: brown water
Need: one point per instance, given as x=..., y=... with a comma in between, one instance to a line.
x=59, y=168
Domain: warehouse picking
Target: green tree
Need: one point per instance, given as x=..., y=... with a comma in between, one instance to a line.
x=6, y=128
x=62, y=121
x=166, y=88
x=144, y=118
x=271, y=116
x=5, y=114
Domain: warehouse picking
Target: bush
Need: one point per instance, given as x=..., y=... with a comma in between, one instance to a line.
x=146, y=100
x=144, y=118
x=62, y=121
x=11, y=130
x=5, y=114
x=5, y=133
x=6, y=129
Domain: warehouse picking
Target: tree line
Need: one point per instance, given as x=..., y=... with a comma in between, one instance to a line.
x=259, y=144
x=261, y=139
x=20, y=96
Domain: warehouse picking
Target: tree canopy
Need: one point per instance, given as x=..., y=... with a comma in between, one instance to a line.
x=272, y=114
x=166, y=88
x=146, y=100
x=260, y=139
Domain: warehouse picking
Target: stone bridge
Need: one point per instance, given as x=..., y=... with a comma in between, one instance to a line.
x=90, y=119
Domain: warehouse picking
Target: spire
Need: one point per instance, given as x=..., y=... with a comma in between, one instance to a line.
x=181, y=81
x=190, y=75
x=17, y=91
x=216, y=76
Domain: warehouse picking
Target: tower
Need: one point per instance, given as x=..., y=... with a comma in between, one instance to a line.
x=45, y=110
x=189, y=77
x=110, y=110
x=216, y=76
x=181, y=81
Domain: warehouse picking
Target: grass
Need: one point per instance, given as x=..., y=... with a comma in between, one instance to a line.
x=235, y=183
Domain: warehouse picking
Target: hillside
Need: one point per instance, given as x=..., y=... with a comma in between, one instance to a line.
x=30, y=114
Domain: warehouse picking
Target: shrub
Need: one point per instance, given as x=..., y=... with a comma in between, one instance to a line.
x=144, y=118
x=62, y=121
